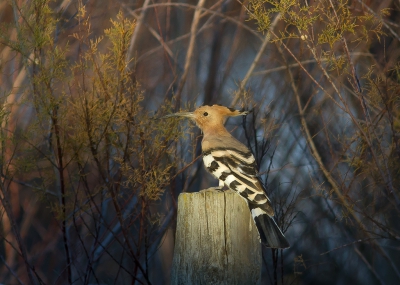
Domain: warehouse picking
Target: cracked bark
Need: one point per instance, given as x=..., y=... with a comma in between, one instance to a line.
x=216, y=240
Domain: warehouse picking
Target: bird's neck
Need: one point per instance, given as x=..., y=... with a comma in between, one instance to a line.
x=215, y=130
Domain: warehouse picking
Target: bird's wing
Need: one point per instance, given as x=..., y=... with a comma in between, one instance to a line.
x=237, y=169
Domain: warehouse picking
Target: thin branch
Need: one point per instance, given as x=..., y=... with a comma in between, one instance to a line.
x=317, y=157
x=189, y=54
x=11, y=270
x=139, y=24
x=152, y=31
x=380, y=19
x=256, y=60
x=304, y=62
x=7, y=207
x=369, y=265
x=314, y=150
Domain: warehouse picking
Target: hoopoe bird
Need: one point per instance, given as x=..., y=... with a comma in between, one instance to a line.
x=234, y=165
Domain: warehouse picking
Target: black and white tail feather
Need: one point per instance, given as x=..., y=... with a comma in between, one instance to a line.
x=270, y=234
x=237, y=169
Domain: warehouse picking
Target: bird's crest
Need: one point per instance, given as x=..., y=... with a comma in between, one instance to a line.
x=211, y=117
x=215, y=115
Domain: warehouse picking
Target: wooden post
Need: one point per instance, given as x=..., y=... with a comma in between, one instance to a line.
x=216, y=240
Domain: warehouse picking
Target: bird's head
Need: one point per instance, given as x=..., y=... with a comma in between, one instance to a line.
x=210, y=116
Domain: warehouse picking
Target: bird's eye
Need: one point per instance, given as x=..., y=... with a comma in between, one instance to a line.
x=205, y=114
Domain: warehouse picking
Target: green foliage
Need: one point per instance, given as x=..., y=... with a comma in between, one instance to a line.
x=119, y=36
x=326, y=23
x=260, y=14
x=291, y=12
x=111, y=123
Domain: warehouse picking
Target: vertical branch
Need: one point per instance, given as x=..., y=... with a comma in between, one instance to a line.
x=256, y=60
x=60, y=169
x=189, y=54
x=370, y=267
x=7, y=207
x=126, y=235
x=139, y=24
x=210, y=96
x=274, y=256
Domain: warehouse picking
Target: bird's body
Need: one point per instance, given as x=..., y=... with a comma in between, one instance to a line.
x=234, y=165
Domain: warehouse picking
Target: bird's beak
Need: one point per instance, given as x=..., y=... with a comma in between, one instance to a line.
x=180, y=114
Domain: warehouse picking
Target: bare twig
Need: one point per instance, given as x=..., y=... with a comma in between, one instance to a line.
x=7, y=207
x=139, y=24
x=369, y=265
x=189, y=54
x=256, y=60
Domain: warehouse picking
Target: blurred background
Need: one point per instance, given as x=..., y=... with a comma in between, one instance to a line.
x=90, y=177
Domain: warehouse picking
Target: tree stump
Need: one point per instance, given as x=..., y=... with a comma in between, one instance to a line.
x=216, y=240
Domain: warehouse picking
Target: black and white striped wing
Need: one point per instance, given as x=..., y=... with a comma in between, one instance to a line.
x=238, y=171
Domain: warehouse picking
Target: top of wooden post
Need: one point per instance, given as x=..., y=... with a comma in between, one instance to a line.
x=216, y=240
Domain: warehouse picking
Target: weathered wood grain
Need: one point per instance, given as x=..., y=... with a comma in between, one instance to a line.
x=216, y=240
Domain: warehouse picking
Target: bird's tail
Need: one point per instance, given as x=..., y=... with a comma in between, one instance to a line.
x=270, y=234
